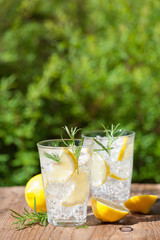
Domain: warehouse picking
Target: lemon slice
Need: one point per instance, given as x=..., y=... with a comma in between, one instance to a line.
x=120, y=157
x=63, y=171
x=99, y=170
x=142, y=203
x=80, y=181
x=108, y=211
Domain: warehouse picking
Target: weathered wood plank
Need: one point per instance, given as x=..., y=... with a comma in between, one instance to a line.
x=134, y=226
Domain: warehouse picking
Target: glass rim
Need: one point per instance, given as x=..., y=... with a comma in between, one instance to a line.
x=129, y=133
x=40, y=143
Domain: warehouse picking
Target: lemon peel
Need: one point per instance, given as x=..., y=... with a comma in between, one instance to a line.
x=141, y=203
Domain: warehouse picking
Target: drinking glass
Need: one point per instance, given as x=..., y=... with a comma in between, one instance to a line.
x=111, y=172
x=65, y=168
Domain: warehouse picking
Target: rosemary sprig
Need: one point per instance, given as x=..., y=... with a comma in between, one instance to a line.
x=112, y=135
x=28, y=218
x=52, y=156
x=71, y=133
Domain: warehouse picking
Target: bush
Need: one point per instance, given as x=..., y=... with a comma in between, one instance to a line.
x=78, y=65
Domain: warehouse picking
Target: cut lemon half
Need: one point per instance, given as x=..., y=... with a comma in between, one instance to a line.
x=99, y=170
x=120, y=157
x=63, y=171
x=108, y=211
x=80, y=181
x=142, y=203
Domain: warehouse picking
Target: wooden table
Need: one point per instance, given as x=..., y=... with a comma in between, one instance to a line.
x=133, y=226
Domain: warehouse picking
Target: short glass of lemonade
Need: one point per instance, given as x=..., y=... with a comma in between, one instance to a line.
x=112, y=164
x=65, y=168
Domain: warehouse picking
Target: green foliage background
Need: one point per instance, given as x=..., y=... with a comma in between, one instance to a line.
x=78, y=63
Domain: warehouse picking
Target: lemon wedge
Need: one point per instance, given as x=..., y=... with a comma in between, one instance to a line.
x=108, y=211
x=120, y=157
x=99, y=170
x=63, y=171
x=80, y=182
x=142, y=203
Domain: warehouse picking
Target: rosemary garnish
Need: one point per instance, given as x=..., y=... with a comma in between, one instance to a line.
x=52, y=156
x=71, y=133
x=28, y=218
x=112, y=135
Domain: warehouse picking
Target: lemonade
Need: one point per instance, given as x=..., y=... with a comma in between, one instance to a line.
x=66, y=180
x=112, y=165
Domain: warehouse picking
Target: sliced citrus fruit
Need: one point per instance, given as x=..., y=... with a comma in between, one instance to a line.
x=108, y=211
x=34, y=189
x=80, y=182
x=120, y=157
x=63, y=171
x=99, y=170
x=142, y=203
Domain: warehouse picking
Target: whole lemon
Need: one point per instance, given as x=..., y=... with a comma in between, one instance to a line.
x=34, y=189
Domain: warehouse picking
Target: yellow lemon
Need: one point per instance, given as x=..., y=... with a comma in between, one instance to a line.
x=108, y=211
x=142, y=203
x=34, y=189
x=99, y=170
x=80, y=183
x=63, y=171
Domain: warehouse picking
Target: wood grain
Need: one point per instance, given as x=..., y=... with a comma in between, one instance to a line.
x=132, y=227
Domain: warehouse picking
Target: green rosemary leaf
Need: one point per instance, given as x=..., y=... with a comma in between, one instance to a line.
x=30, y=222
x=15, y=213
x=35, y=210
x=26, y=211
x=44, y=222
x=84, y=226
x=52, y=156
x=15, y=216
x=15, y=222
x=100, y=145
